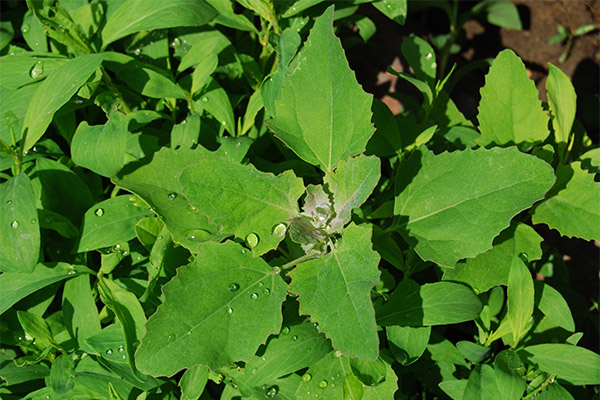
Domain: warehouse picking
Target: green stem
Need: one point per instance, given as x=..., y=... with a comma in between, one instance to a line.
x=451, y=39
x=538, y=389
x=297, y=261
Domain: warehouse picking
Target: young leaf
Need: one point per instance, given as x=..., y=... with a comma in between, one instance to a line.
x=230, y=290
x=242, y=200
x=79, y=309
x=54, y=92
x=407, y=343
x=571, y=206
x=550, y=302
x=216, y=102
x=395, y=10
x=342, y=280
x=576, y=365
x=101, y=148
x=482, y=384
x=520, y=298
x=323, y=114
x=510, y=111
x=37, y=328
x=563, y=102
x=351, y=184
x=438, y=303
x=20, y=230
x=421, y=58
x=138, y=15
x=193, y=381
x=440, y=210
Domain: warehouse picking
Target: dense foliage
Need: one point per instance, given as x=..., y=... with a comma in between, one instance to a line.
x=199, y=200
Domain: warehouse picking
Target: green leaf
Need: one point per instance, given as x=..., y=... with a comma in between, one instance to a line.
x=491, y=268
x=351, y=184
x=297, y=346
x=187, y=132
x=54, y=92
x=550, y=302
x=504, y=14
x=139, y=15
x=323, y=114
x=242, y=200
x=156, y=183
x=216, y=102
x=571, y=206
x=395, y=10
x=110, y=222
x=193, y=381
x=482, y=384
x=520, y=298
x=203, y=71
x=22, y=69
x=583, y=29
x=7, y=33
x=454, y=388
x=13, y=108
x=421, y=58
x=576, y=365
x=385, y=389
x=442, y=201
x=227, y=17
x=255, y=104
x=15, y=286
x=438, y=303
x=208, y=43
x=508, y=368
x=473, y=352
x=555, y=392
x=20, y=229
x=79, y=309
x=221, y=326
x=590, y=160
x=510, y=111
x=387, y=139
x=342, y=280
x=61, y=374
x=408, y=343
x=562, y=101
x=326, y=378
x=37, y=328
x=101, y=148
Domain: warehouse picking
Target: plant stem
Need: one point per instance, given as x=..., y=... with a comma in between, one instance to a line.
x=297, y=261
x=538, y=389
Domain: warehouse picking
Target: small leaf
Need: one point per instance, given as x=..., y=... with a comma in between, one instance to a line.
x=550, y=302
x=216, y=102
x=323, y=114
x=503, y=14
x=395, y=10
x=562, y=101
x=482, y=384
x=408, y=343
x=193, y=381
x=583, y=29
x=326, y=378
x=520, y=298
x=510, y=111
x=438, y=303
x=19, y=225
x=473, y=352
x=242, y=200
x=37, y=328
x=220, y=284
x=79, y=309
x=62, y=374
x=576, y=365
x=421, y=58
x=342, y=280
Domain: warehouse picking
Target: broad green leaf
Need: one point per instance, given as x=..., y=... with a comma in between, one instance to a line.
x=187, y=132
x=562, y=101
x=571, y=206
x=407, y=343
x=368, y=372
x=209, y=43
x=326, y=378
x=520, y=298
x=110, y=222
x=502, y=13
x=241, y=200
x=296, y=347
x=555, y=392
x=473, y=352
x=385, y=389
x=203, y=71
x=54, y=92
x=443, y=351
x=255, y=104
x=576, y=365
x=491, y=268
x=387, y=139
x=62, y=190
x=216, y=102
x=510, y=111
x=439, y=303
x=228, y=288
x=454, y=388
x=193, y=381
x=351, y=184
x=550, y=302
x=482, y=384
x=79, y=309
x=145, y=79
x=15, y=286
x=13, y=374
x=342, y=280
x=156, y=183
x=37, y=328
x=395, y=10
x=61, y=374
x=509, y=375
x=227, y=17
x=20, y=229
x=590, y=160
x=421, y=58
x=139, y=15
x=22, y=69
x=323, y=114
x=101, y=148
x=129, y=313
x=444, y=198
x=109, y=343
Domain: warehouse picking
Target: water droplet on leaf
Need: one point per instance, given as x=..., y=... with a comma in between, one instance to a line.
x=172, y=196
x=121, y=348
x=175, y=43
x=205, y=99
x=428, y=56
x=254, y=296
x=267, y=291
x=252, y=240
x=109, y=352
x=15, y=224
x=294, y=338
x=99, y=212
x=272, y=391
x=323, y=384
x=285, y=330
x=171, y=337
x=306, y=377
x=137, y=51
x=233, y=287
x=37, y=70
x=197, y=235
x=25, y=29
x=230, y=310
x=279, y=230
x=277, y=270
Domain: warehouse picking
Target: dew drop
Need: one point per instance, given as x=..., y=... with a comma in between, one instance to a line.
x=223, y=123
x=260, y=284
x=233, y=287
x=15, y=224
x=429, y=56
x=171, y=337
x=285, y=330
x=267, y=291
x=243, y=251
x=109, y=352
x=294, y=338
x=99, y=212
x=121, y=348
x=253, y=371
x=197, y=235
x=25, y=29
x=306, y=377
x=279, y=230
x=338, y=353
x=205, y=99
x=175, y=43
x=272, y=391
x=277, y=270
x=172, y=196
x=230, y=310
x=254, y=296
x=323, y=384
x=189, y=333
x=9, y=202
x=252, y=240
x=433, y=65
x=37, y=70
x=33, y=221
x=123, y=357
x=137, y=51
x=74, y=357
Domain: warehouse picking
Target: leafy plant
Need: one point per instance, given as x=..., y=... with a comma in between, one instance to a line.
x=567, y=35
x=184, y=219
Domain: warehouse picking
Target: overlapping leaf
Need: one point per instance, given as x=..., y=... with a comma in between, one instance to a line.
x=342, y=281
x=323, y=115
x=452, y=205
x=211, y=311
